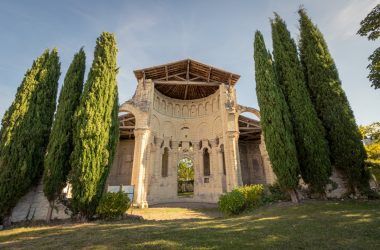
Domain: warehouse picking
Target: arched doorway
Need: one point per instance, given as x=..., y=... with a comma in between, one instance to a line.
x=185, y=177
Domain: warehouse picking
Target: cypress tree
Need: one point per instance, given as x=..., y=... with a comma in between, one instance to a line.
x=25, y=130
x=275, y=120
x=57, y=158
x=95, y=129
x=346, y=149
x=312, y=147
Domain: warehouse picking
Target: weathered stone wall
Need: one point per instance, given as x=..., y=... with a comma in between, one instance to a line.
x=251, y=163
x=121, y=171
x=34, y=206
x=186, y=128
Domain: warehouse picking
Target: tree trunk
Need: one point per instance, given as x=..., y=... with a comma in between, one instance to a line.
x=293, y=196
x=50, y=211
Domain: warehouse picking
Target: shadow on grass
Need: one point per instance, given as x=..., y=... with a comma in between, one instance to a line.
x=312, y=225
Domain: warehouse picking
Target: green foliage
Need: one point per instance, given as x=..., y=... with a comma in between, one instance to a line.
x=274, y=193
x=374, y=68
x=57, y=165
x=374, y=168
x=113, y=205
x=346, y=150
x=95, y=129
x=232, y=202
x=370, y=27
x=25, y=130
x=312, y=147
x=240, y=199
x=275, y=119
x=371, y=133
x=185, y=170
x=252, y=195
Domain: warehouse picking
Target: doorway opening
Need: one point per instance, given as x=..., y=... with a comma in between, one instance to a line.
x=185, y=178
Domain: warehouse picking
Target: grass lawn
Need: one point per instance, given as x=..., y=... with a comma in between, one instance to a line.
x=311, y=225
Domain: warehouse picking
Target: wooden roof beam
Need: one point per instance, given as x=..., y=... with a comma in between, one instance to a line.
x=192, y=83
x=186, y=89
x=209, y=74
x=127, y=127
x=188, y=70
x=247, y=133
x=250, y=129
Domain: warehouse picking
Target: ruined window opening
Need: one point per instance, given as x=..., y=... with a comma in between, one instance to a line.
x=223, y=159
x=206, y=162
x=165, y=163
x=185, y=178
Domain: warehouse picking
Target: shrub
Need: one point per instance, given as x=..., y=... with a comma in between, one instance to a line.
x=274, y=193
x=253, y=195
x=232, y=202
x=113, y=205
x=240, y=199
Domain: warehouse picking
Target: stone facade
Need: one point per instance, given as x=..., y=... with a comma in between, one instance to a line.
x=185, y=129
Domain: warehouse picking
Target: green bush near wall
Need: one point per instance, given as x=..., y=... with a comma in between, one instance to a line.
x=241, y=198
x=113, y=205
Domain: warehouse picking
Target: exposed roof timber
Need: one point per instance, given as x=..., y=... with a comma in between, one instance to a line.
x=187, y=83
x=187, y=88
x=187, y=67
x=209, y=74
x=246, y=133
x=128, y=118
x=127, y=127
x=250, y=129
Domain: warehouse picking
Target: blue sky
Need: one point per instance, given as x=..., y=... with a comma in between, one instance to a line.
x=219, y=33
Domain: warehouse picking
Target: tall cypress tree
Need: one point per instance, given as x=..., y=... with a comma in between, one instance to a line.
x=25, y=130
x=57, y=159
x=346, y=149
x=95, y=129
x=312, y=147
x=275, y=120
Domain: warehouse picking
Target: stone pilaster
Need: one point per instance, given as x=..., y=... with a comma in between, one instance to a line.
x=233, y=161
x=139, y=166
x=197, y=165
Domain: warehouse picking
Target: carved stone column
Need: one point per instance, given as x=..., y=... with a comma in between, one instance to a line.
x=233, y=161
x=140, y=165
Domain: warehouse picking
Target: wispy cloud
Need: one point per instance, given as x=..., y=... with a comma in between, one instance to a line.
x=345, y=23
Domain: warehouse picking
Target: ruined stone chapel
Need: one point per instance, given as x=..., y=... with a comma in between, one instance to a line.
x=187, y=110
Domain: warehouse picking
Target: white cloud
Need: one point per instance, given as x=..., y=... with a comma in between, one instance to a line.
x=345, y=23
